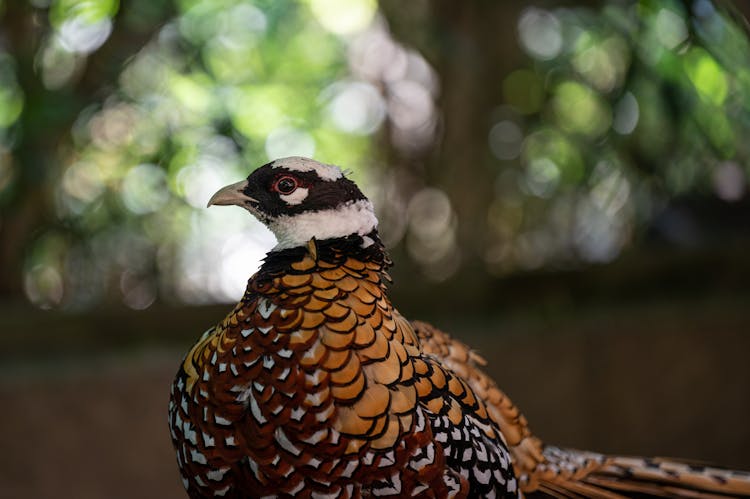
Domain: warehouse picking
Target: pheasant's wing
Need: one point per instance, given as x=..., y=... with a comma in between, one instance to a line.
x=548, y=471
x=458, y=357
x=472, y=444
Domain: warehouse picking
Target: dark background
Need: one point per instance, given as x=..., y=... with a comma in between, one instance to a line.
x=563, y=186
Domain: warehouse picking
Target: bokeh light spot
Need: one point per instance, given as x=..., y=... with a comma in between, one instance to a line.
x=138, y=292
x=579, y=109
x=542, y=177
x=410, y=105
x=258, y=110
x=602, y=62
x=556, y=147
x=58, y=65
x=431, y=240
x=505, y=140
x=344, y=17
x=540, y=33
x=83, y=36
x=356, y=107
x=198, y=182
x=707, y=76
x=144, y=189
x=84, y=181
x=730, y=182
x=611, y=191
x=671, y=30
x=88, y=10
x=626, y=114
x=43, y=286
x=288, y=141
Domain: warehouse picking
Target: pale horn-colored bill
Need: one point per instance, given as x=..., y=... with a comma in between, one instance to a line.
x=231, y=194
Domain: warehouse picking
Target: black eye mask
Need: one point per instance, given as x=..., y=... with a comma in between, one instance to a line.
x=322, y=194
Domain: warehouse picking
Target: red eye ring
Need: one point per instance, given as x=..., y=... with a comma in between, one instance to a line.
x=286, y=184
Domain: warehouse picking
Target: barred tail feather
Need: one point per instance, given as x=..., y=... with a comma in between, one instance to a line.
x=674, y=477
x=577, y=474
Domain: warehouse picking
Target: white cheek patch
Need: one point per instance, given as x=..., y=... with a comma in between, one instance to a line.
x=299, y=195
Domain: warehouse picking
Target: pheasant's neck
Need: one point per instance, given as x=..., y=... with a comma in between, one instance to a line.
x=326, y=253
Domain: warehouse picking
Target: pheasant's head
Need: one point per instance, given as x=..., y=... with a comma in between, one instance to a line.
x=299, y=199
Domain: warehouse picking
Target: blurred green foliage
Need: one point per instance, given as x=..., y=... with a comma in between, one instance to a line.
x=623, y=109
x=119, y=119
x=222, y=85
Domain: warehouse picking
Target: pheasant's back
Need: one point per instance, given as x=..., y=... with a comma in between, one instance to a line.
x=314, y=384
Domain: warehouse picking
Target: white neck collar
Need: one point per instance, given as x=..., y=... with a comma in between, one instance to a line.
x=354, y=217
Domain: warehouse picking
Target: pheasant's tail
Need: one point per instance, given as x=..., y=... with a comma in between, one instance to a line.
x=576, y=474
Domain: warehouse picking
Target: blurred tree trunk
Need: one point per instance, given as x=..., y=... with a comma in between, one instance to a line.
x=24, y=209
x=472, y=47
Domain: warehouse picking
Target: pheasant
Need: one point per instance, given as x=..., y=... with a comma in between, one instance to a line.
x=315, y=385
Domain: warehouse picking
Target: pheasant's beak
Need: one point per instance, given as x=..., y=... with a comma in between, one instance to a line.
x=232, y=194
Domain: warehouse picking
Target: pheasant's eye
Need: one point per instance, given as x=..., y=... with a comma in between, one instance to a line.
x=285, y=185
